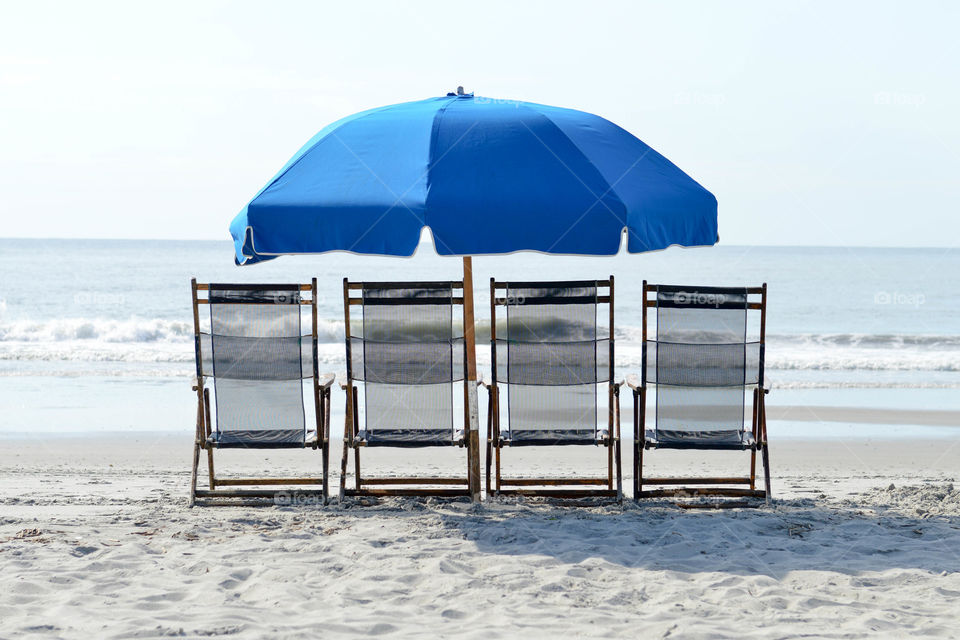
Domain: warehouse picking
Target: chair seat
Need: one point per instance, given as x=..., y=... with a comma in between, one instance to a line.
x=410, y=437
x=714, y=439
x=553, y=437
x=263, y=439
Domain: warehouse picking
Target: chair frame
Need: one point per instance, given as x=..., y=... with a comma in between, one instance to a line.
x=758, y=427
x=496, y=483
x=321, y=398
x=425, y=486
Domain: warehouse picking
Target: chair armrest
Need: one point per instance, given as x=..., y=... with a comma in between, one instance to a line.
x=634, y=382
x=326, y=379
x=616, y=385
x=482, y=382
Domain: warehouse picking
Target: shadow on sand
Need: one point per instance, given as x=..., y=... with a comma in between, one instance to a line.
x=790, y=535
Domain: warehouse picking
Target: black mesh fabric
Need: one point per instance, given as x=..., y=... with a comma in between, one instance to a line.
x=407, y=362
x=553, y=363
x=409, y=355
x=702, y=364
x=412, y=407
x=551, y=360
x=257, y=353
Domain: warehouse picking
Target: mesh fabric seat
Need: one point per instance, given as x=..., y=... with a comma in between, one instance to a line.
x=551, y=360
x=255, y=337
x=702, y=364
x=257, y=357
x=406, y=366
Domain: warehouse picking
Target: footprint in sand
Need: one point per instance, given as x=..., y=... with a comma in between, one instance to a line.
x=381, y=628
x=453, y=614
x=236, y=579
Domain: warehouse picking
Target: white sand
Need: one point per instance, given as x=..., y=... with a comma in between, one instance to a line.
x=96, y=540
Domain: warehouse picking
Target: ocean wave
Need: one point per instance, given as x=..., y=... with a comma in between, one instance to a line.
x=156, y=330
x=630, y=334
x=869, y=340
x=132, y=330
x=145, y=340
x=127, y=331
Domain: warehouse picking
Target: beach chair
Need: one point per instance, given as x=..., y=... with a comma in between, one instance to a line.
x=551, y=359
x=406, y=379
x=707, y=355
x=255, y=357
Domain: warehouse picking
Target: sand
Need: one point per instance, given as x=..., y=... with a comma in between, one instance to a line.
x=97, y=540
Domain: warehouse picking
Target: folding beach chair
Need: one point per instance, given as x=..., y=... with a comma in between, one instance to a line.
x=552, y=358
x=706, y=357
x=406, y=378
x=255, y=358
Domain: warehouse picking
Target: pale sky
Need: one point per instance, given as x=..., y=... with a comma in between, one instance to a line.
x=815, y=123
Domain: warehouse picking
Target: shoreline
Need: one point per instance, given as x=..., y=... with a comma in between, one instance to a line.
x=883, y=421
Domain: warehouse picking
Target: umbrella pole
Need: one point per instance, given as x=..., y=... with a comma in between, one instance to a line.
x=470, y=384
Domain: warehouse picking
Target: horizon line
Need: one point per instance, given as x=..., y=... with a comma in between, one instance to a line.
x=229, y=241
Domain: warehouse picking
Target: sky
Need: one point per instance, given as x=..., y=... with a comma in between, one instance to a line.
x=814, y=123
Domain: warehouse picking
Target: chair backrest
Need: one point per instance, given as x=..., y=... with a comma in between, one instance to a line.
x=407, y=351
x=707, y=351
x=552, y=353
x=257, y=356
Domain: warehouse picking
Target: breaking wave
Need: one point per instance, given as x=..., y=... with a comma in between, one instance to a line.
x=154, y=340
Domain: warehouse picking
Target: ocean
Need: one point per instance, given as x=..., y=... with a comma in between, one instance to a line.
x=96, y=335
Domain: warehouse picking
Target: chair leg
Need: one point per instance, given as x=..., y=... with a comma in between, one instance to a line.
x=206, y=434
x=210, y=473
x=496, y=460
x=766, y=470
x=638, y=469
x=619, y=472
x=325, y=452
x=610, y=463
x=762, y=427
x=637, y=449
x=326, y=449
x=354, y=417
x=343, y=468
x=356, y=468
x=489, y=462
x=756, y=439
x=193, y=475
x=347, y=426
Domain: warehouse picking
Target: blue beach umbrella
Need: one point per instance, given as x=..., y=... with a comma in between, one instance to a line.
x=486, y=176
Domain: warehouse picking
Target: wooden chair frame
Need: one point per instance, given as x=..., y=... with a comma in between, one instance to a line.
x=384, y=485
x=496, y=483
x=321, y=398
x=702, y=486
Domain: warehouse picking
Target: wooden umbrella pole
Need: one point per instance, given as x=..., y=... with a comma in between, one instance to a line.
x=470, y=384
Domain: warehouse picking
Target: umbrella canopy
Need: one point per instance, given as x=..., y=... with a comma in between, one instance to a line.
x=486, y=176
